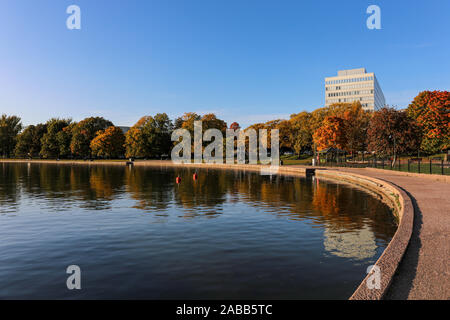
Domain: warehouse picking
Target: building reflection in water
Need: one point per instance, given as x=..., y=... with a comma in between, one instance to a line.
x=348, y=234
x=358, y=244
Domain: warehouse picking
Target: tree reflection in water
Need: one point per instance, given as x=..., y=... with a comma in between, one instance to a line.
x=268, y=236
x=350, y=220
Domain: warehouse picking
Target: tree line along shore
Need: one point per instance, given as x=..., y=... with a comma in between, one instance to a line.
x=422, y=127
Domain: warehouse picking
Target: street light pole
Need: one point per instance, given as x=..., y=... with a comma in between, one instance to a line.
x=392, y=137
x=395, y=153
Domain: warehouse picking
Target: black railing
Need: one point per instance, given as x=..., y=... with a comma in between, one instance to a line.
x=413, y=165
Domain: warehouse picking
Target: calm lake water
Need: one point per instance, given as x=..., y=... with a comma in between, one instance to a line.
x=135, y=233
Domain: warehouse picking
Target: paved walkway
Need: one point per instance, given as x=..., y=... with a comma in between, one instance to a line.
x=424, y=272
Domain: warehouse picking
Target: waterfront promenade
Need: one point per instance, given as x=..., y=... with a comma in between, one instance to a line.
x=424, y=272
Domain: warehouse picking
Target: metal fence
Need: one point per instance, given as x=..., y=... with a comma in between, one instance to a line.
x=415, y=165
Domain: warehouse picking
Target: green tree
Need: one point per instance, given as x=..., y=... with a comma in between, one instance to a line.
x=29, y=141
x=50, y=145
x=64, y=138
x=149, y=137
x=164, y=128
x=10, y=127
x=178, y=123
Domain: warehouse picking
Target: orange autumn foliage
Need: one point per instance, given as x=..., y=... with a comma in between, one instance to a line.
x=332, y=133
x=431, y=110
x=109, y=143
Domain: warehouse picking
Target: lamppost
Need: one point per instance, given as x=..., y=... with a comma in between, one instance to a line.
x=392, y=137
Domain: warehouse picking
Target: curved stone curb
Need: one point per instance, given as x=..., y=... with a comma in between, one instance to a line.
x=393, y=254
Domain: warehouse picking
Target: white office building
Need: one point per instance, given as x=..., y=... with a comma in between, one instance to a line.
x=354, y=85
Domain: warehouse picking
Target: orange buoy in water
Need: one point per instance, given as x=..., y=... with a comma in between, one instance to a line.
x=178, y=179
x=195, y=176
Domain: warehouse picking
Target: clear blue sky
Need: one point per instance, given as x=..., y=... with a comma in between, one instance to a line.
x=246, y=60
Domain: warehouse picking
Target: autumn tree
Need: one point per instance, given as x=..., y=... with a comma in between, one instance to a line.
x=50, y=145
x=135, y=143
x=392, y=132
x=186, y=121
x=332, y=133
x=301, y=132
x=431, y=111
x=149, y=137
x=319, y=116
x=84, y=132
x=357, y=122
x=235, y=126
x=29, y=141
x=285, y=134
x=210, y=121
x=10, y=127
x=108, y=143
x=256, y=127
